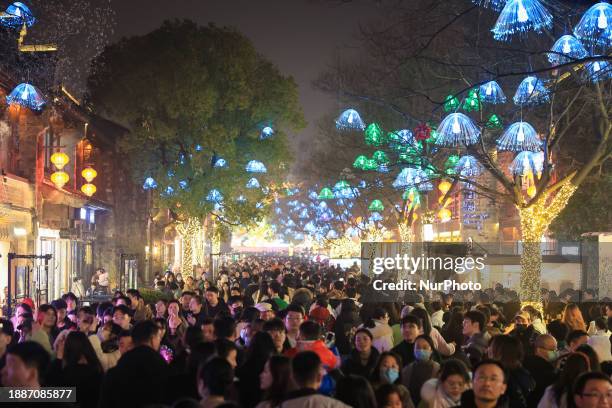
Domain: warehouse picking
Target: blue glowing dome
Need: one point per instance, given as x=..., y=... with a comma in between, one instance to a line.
x=457, y=130
x=531, y=91
x=495, y=5
x=594, y=26
x=149, y=183
x=527, y=162
x=518, y=137
x=491, y=93
x=16, y=15
x=253, y=183
x=598, y=70
x=519, y=17
x=26, y=95
x=255, y=166
x=468, y=166
x=350, y=120
x=214, y=195
x=220, y=163
x=566, y=49
x=266, y=133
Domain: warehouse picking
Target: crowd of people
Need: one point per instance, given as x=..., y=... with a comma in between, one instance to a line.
x=281, y=332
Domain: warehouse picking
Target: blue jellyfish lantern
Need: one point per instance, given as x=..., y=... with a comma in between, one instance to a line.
x=404, y=179
x=253, y=183
x=259, y=205
x=169, y=191
x=594, y=26
x=17, y=14
x=531, y=91
x=456, y=130
x=491, y=93
x=198, y=148
x=375, y=217
x=278, y=210
x=26, y=95
x=214, y=195
x=255, y=166
x=382, y=168
x=183, y=184
x=519, y=17
x=332, y=234
x=598, y=70
x=495, y=5
x=149, y=184
x=468, y=167
x=518, y=137
x=421, y=181
x=266, y=133
x=566, y=49
x=527, y=162
x=304, y=214
x=350, y=120
x=220, y=163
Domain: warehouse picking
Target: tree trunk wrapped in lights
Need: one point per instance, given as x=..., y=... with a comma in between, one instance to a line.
x=189, y=231
x=535, y=219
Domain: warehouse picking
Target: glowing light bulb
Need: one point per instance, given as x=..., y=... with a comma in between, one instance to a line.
x=520, y=135
x=567, y=48
x=522, y=13
x=467, y=164
x=530, y=87
x=456, y=126
x=350, y=118
x=417, y=180
x=596, y=66
x=489, y=90
x=602, y=21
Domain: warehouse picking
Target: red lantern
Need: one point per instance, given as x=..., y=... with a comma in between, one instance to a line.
x=422, y=132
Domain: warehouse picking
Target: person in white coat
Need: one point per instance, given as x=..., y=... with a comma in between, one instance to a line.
x=382, y=333
x=600, y=340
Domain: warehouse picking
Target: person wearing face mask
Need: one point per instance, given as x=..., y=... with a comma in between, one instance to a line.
x=524, y=331
x=424, y=368
x=388, y=371
x=541, y=366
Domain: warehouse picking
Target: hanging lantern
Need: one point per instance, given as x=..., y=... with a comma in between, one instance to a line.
x=376, y=205
x=531, y=91
x=255, y=166
x=17, y=14
x=444, y=215
x=598, y=70
x=88, y=189
x=494, y=122
x=60, y=178
x=371, y=164
x=492, y=93
x=219, y=163
x=149, y=183
x=526, y=163
x=375, y=217
x=451, y=103
x=380, y=157
x=89, y=174
x=253, y=183
x=456, y=130
x=214, y=196
x=59, y=160
x=519, y=17
x=350, y=120
x=410, y=194
x=326, y=194
x=518, y=137
x=266, y=133
x=468, y=167
x=531, y=191
x=444, y=186
x=566, y=49
x=472, y=102
x=594, y=26
x=422, y=132
x=404, y=179
x=360, y=162
x=374, y=135
x=26, y=95
x=495, y=5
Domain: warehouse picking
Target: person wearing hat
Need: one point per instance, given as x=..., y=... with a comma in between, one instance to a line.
x=524, y=331
x=266, y=311
x=6, y=339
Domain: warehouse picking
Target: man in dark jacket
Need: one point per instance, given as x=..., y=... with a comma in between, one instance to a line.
x=411, y=327
x=476, y=344
x=540, y=366
x=490, y=385
x=141, y=375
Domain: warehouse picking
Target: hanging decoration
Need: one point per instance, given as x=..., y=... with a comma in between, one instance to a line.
x=149, y=184
x=495, y=5
x=220, y=163
x=383, y=168
x=89, y=174
x=566, y=49
x=360, y=162
x=350, y=120
x=468, y=167
x=444, y=186
x=266, y=133
x=518, y=137
x=326, y=194
x=255, y=166
x=253, y=183
x=59, y=159
x=375, y=217
x=17, y=14
x=380, y=157
x=492, y=93
x=472, y=216
x=214, y=196
x=594, y=26
x=421, y=181
x=494, y=122
x=472, y=102
x=376, y=205
x=370, y=165
x=374, y=135
x=89, y=189
x=531, y=91
x=526, y=163
x=59, y=178
x=404, y=179
x=598, y=70
x=422, y=132
x=26, y=95
x=444, y=215
x=519, y=17
x=456, y=130
x=451, y=103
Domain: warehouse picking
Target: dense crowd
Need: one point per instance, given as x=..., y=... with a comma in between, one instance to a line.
x=272, y=332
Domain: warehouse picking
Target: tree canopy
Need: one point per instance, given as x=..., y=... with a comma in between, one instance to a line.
x=191, y=95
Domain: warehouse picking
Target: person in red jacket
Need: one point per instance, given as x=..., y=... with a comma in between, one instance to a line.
x=309, y=339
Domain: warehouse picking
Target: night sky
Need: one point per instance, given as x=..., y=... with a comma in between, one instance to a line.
x=300, y=36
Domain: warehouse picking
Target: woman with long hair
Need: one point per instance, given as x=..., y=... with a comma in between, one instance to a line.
x=261, y=347
x=382, y=333
x=363, y=358
x=355, y=391
x=440, y=345
x=509, y=351
x=559, y=395
x=276, y=380
x=453, y=328
x=77, y=365
x=176, y=325
x=572, y=317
